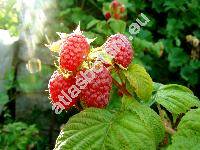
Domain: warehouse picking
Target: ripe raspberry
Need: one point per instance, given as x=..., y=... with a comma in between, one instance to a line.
x=115, y=4
x=56, y=85
x=120, y=48
x=96, y=93
x=117, y=16
x=107, y=15
x=74, y=50
x=122, y=9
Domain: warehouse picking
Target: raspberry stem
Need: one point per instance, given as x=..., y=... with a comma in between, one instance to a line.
x=119, y=74
x=124, y=90
x=78, y=106
x=169, y=130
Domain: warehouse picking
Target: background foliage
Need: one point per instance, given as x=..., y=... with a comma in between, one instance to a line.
x=9, y=18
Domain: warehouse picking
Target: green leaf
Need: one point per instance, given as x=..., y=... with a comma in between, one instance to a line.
x=102, y=28
x=195, y=64
x=148, y=116
x=118, y=26
x=115, y=99
x=177, y=57
x=174, y=27
x=3, y=98
x=152, y=100
x=91, y=35
x=188, y=134
x=102, y=129
x=140, y=5
x=178, y=5
x=176, y=98
x=143, y=45
x=156, y=86
x=168, y=44
x=8, y=78
x=189, y=74
x=106, y=7
x=92, y=23
x=145, y=34
x=157, y=5
x=18, y=135
x=140, y=81
x=178, y=42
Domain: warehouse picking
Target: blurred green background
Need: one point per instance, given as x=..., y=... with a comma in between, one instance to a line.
x=168, y=46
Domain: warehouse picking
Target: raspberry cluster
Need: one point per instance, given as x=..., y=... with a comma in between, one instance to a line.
x=83, y=78
x=117, y=10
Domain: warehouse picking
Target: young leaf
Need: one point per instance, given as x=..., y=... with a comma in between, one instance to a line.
x=176, y=98
x=140, y=80
x=102, y=129
x=188, y=134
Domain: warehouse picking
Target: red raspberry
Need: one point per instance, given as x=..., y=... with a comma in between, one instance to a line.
x=74, y=50
x=120, y=48
x=107, y=15
x=115, y=4
x=58, y=84
x=117, y=16
x=96, y=93
x=122, y=9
